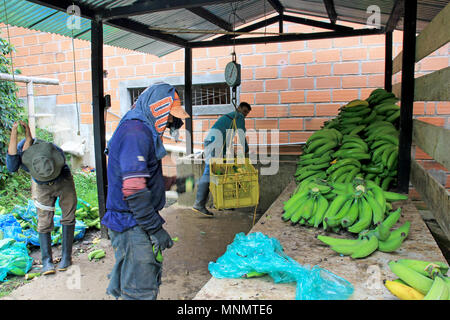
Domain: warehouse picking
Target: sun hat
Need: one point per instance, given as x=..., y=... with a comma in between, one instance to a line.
x=43, y=160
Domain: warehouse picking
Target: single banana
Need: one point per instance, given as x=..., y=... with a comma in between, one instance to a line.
x=392, y=243
x=412, y=278
x=336, y=220
x=438, y=291
x=392, y=218
x=382, y=232
x=377, y=211
x=349, y=249
x=304, y=211
x=335, y=206
x=322, y=208
x=352, y=214
x=422, y=266
x=393, y=196
x=365, y=217
x=403, y=291
x=366, y=249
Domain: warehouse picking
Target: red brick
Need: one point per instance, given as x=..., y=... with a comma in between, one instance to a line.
x=252, y=86
x=292, y=96
x=247, y=74
x=376, y=53
x=266, y=97
x=292, y=46
x=372, y=67
x=329, y=109
x=419, y=108
x=314, y=123
x=276, y=111
x=128, y=72
x=135, y=59
x=295, y=137
x=265, y=124
x=253, y=60
x=266, y=73
x=301, y=57
x=443, y=107
x=277, y=84
x=354, y=54
x=318, y=96
x=328, y=55
x=268, y=47
x=215, y=52
x=345, y=95
x=430, y=108
x=249, y=124
x=204, y=64
x=421, y=155
x=292, y=71
x=328, y=82
x=376, y=80
x=437, y=121
x=247, y=97
x=346, y=68
x=302, y=83
x=302, y=110
x=320, y=44
x=86, y=118
x=30, y=40
x=346, y=42
x=354, y=82
x=434, y=63
x=278, y=59
x=315, y=70
x=375, y=39
x=291, y=124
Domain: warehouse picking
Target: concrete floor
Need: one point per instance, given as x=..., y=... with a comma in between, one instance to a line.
x=185, y=269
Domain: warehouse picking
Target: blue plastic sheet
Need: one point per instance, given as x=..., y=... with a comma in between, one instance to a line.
x=30, y=235
x=14, y=258
x=258, y=252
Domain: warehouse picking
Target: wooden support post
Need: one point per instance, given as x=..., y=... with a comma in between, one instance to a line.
x=388, y=62
x=188, y=99
x=407, y=98
x=98, y=106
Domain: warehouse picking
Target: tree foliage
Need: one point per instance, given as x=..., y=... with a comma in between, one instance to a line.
x=11, y=108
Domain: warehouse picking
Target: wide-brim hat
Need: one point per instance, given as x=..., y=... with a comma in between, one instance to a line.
x=43, y=161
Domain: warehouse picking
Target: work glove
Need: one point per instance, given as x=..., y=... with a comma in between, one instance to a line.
x=161, y=240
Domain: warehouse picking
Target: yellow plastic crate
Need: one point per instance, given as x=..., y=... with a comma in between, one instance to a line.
x=233, y=183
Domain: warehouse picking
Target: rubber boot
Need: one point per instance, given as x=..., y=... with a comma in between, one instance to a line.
x=45, y=242
x=201, y=198
x=67, y=241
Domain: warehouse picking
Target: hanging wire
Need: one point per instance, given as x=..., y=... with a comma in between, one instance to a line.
x=75, y=75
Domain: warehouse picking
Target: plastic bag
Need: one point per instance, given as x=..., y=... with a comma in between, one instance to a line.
x=260, y=253
x=10, y=228
x=29, y=214
x=14, y=258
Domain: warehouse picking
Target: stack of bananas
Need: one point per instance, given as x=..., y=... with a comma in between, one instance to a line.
x=419, y=280
x=317, y=154
x=382, y=137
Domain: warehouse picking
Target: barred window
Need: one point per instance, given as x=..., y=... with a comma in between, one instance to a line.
x=202, y=94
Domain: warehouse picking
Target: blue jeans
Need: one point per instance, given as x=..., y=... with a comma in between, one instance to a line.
x=136, y=274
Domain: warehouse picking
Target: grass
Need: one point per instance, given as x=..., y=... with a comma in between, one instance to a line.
x=86, y=187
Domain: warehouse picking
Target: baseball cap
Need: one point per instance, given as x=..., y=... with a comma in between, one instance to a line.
x=177, y=110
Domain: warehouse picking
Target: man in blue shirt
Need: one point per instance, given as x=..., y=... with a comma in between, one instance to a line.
x=46, y=164
x=136, y=192
x=216, y=143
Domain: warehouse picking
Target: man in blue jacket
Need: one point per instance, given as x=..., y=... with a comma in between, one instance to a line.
x=216, y=143
x=136, y=192
x=47, y=166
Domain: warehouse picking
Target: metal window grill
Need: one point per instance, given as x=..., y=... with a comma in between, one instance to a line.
x=202, y=94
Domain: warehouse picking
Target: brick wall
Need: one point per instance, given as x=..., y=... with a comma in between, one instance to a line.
x=293, y=87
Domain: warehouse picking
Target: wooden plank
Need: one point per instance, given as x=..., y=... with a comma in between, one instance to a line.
x=434, y=194
x=434, y=86
x=433, y=140
x=301, y=244
x=435, y=35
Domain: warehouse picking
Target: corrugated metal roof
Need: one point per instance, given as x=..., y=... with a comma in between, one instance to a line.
x=37, y=17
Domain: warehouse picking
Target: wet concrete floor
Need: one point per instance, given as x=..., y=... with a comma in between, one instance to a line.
x=201, y=240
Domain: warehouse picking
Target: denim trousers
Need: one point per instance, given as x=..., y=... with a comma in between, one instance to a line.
x=136, y=275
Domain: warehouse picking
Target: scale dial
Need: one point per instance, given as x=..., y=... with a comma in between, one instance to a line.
x=233, y=74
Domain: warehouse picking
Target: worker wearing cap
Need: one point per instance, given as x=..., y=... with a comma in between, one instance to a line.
x=47, y=166
x=216, y=143
x=136, y=192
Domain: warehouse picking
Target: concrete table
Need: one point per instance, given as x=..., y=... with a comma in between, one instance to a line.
x=301, y=244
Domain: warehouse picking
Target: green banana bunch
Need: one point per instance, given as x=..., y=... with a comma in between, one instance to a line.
x=411, y=277
x=96, y=254
x=439, y=290
x=425, y=267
